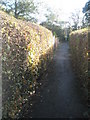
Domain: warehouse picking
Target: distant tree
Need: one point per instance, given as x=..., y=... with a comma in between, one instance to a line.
x=56, y=29
x=52, y=16
x=75, y=19
x=86, y=11
x=83, y=22
x=19, y=8
x=54, y=23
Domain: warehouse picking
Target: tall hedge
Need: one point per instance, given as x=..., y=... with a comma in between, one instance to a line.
x=79, y=48
x=27, y=48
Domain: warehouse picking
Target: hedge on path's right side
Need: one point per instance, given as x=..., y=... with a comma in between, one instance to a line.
x=79, y=47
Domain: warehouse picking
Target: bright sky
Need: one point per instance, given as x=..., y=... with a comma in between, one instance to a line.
x=66, y=6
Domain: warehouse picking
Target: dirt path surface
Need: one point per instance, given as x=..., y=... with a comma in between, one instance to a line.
x=61, y=96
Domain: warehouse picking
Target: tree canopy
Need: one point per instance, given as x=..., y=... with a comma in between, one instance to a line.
x=86, y=10
x=86, y=7
x=74, y=20
x=19, y=8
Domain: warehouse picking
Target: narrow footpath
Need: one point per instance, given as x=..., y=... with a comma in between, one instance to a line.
x=62, y=95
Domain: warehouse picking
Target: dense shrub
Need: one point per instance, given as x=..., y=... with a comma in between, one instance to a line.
x=26, y=50
x=56, y=29
x=79, y=47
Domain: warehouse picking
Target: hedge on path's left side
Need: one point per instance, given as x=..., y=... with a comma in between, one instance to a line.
x=26, y=50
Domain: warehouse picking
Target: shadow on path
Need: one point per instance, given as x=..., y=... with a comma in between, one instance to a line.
x=61, y=96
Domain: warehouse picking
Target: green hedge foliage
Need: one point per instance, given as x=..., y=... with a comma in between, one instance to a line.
x=79, y=47
x=27, y=49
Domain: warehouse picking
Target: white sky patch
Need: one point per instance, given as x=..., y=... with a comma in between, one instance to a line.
x=66, y=7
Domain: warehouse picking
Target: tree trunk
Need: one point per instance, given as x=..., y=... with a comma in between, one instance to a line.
x=16, y=16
